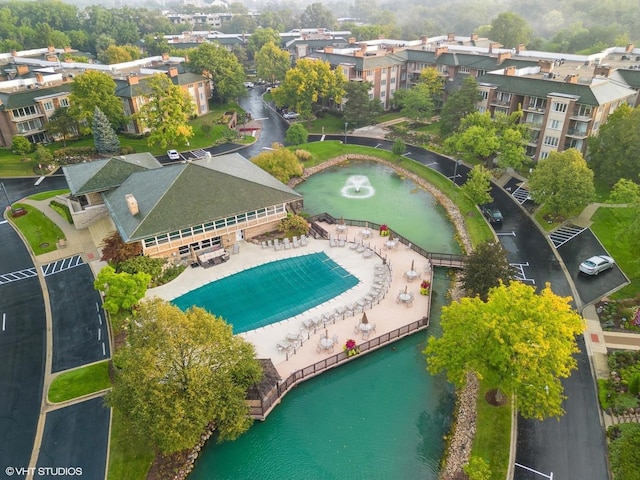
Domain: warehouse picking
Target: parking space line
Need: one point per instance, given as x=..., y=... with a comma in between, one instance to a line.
x=565, y=233
x=520, y=274
x=4, y=321
x=17, y=275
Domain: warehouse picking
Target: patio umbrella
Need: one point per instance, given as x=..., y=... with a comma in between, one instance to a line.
x=341, y=220
x=405, y=288
x=412, y=265
x=364, y=320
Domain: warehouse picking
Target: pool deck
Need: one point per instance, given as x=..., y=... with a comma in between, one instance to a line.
x=387, y=315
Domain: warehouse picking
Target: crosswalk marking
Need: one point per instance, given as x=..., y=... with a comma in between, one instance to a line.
x=565, y=233
x=61, y=265
x=18, y=275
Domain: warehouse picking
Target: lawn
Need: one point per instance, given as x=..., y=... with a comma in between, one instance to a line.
x=79, y=382
x=12, y=165
x=130, y=457
x=41, y=233
x=610, y=226
x=49, y=194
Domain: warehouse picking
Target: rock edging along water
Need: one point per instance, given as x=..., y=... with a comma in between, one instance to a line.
x=449, y=206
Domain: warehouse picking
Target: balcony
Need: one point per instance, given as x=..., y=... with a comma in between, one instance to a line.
x=577, y=133
x=580, y=116
x=534, y=108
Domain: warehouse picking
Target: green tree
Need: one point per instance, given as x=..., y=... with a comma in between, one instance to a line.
x=477, y=469
x=486, y=268
x=613, y=153
x=240, y=24
x=296, y=134
x=221, y=67
x=115, y=54
x=562, y=182
x=104, y=138
x=178, y=373
x=122, y=291
x=310, y=82
x=259, y=38
x=627, y=192
x=624, y=451
x=166, y=112
x=95, y=89
x=293, y=225
x=434, y=83
x=524, y=341
x=317, y=15
x=359, y=109
x=399, y=147
x=272, y=62
x=460, y=103
x=510, y=29
x=417, y=102
x=155, y=44
x=143, y=263
x=61, y=124
x=478, y=185
x=281, y=163
x=21, y=146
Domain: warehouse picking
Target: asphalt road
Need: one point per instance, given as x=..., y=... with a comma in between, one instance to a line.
x=79, y=327
x=22, y=352
x=75, y=437
x=18, y=188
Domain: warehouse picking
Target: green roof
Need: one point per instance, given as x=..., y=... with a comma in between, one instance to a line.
x=26, y=97
x=103, y=175
x=184, y=195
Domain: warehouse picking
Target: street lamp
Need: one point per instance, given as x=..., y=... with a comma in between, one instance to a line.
x=455, y=171
x=7, y=197
x=345, y=131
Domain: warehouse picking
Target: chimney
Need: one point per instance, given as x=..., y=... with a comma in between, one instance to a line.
x=132, y=204
x=67, y=49
x=328, y=49
x=14, y=53
x=352, y=40
x=358, y=53
x=69, y=59
x=173, y=72
x=22, y=69
x=441, y=50
x=51, y=49
x=502, y=56
x=133, y=79
x=510, y=71
x=451, y=37
x=546, y=66
x=39, y=77
x=520, y=48
x=363, y=47
x=629, y=48
x=493, y=45
x=474, y=37
x=381, y=37
x=52, y=58
x=165, y=57
x=571, y=78
x=603, y=70
x=424, y=39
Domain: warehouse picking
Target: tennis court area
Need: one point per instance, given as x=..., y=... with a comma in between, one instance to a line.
x=271, y=292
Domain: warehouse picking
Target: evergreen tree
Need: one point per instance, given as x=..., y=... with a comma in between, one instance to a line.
x=458, y=105
x=104, y=138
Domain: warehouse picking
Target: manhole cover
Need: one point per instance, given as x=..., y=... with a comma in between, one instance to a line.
x=44, y=245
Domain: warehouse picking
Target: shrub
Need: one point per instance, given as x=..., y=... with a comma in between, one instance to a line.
x=303, y=155
x=399, y=147
x=21, y=146
x=293, y=225
x=62, y=209
x=634, y=384
x=624, y=450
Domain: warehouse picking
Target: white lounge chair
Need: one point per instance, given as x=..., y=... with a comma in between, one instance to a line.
x=236, y=248
x=303, y=240
x=276, y=244
x=287, y=243
x=296, y=242
x=264, y=244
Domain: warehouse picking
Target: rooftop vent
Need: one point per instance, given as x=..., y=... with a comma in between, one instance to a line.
x=132, y=203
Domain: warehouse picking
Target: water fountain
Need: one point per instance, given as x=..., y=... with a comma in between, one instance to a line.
x=357, y=187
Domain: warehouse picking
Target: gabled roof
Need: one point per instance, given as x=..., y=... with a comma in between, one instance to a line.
x=103, y=175
x=26, y=97
x=193, y=193
x=599, y=92
x=630, y=77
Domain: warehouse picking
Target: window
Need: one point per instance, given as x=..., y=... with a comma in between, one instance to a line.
x=559, y=107
x=484, y=94
x=544, y=155
x=551, y=141
x=48, y=106
x=24, y=111
x=555, y=125
x=64, y=102
x=383, y=83
x=393, y=80
x=464, y=69
x=383, y=94
x=28, y=126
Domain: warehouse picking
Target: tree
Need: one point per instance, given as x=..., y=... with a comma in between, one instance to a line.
x=293, y=225
x=104, y=138
x=521, y=341
x=166, y=112
x=417, y=102
x=221, y=67
x=21, y=146
x=61, y=123
x=180, y=372
x=296, y=134
x=259, y=38
x=359, y=109
x=153, y=267
x=399, y=147
x=115, y=251
x=281, y=163
x=272, y=62
x=310, y=82
x=434, y=83
x=122, y=291
x=486, y=268
x=563, y=182
x=43, y=157
x=155, y=44
x=613, y=153
x=626, y=191
x=95, y=89
x=317, y=15
x=477, y=469
x=478, y=185
x=460, y=103
x=510, y=29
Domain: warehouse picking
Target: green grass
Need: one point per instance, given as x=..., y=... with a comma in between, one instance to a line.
x=130, y=457
x=388, y=117
x=15, y=165
x=493, y=433
x=331, y=124
x=609, y=225
x=49, y=194
x=79, y=382
x=40, y=232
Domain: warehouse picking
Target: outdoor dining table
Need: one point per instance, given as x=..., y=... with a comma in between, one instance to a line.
x=366, y=233
x=405, y=297
x=326, y=343
x=390, y=244
x=411, y=275
x=365, y=327
x=341, y=227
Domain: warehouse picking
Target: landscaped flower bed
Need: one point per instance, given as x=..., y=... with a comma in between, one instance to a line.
x=619, y=314
x=620, y=393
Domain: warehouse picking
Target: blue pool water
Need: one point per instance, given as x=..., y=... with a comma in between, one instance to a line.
x=280, y=289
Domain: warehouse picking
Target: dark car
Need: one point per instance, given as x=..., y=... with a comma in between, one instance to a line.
x=492, y=214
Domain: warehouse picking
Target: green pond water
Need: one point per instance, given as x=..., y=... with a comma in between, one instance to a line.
x=381, y=416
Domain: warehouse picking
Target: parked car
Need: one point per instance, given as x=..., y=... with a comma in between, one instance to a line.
x=248, y=84
x=290, y=115
x=492, y=214
x=596, y=264
x=173, y=155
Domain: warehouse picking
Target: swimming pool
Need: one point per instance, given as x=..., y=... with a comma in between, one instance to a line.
x=271, y=292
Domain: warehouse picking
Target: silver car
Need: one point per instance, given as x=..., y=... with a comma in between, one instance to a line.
x=596, y=264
